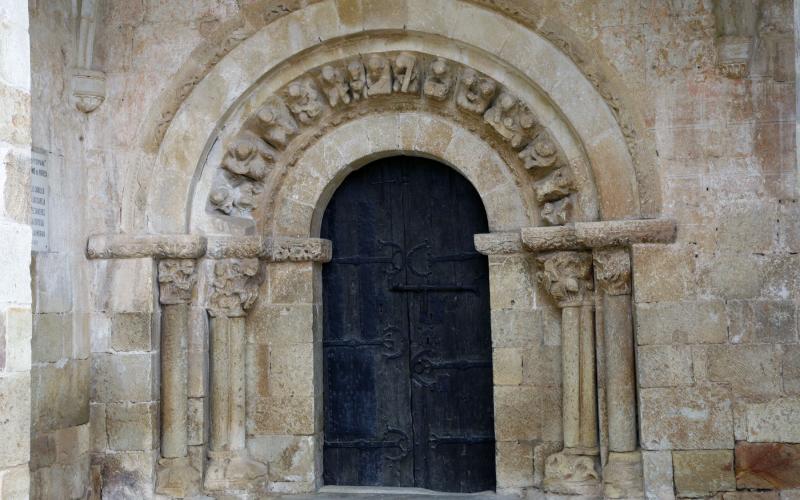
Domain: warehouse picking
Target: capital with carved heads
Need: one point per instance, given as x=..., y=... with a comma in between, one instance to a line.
x=233, y=287
x=612, y=269
x=567, y=277
x=176, y=280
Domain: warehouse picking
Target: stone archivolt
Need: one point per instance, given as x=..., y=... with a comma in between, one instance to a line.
x=328, y=95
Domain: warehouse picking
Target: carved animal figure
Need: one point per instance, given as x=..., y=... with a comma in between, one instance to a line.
x=476, y=92
x=437, y=85
x=304, y=102
x=334, y=86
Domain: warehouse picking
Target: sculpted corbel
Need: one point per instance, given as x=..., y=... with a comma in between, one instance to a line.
x=476, y=92
x=406, y=73
x=439, y=81
x=379, y=75
x=276, y=125
x=332, y=81
x=304, y=101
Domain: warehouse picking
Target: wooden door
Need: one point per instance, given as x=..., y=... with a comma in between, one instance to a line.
x=406, y=342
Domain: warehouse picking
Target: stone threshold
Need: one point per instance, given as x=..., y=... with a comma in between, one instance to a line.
x=383, y=493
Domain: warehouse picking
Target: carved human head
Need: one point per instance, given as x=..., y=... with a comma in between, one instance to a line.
x=439, y=67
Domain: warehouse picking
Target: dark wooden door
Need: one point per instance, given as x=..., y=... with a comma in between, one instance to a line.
x=406, y=342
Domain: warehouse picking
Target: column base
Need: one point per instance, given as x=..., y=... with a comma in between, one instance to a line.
x=177, y=478
x=622, y=475
x=234, y=472
x=569, y=474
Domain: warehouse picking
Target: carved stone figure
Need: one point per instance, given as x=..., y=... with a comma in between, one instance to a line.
x=379, y=75
x=334, y=85
x=249, y=157
x=304, y=101
x=176, y=278
x=556, y=185
x=276, y=125
x=357, y=79
x=571, y=475
x=567, y=276
x=222, y=198
x=406, y=73
x=475, y=92
x=556, y=213
x=439, y=81
x=234, y=287
x=511, y=119
x=541, y=153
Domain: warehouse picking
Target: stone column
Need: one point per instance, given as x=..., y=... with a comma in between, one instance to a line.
x=233, y=290
x=176, y=476
x=567, y=277
x=622, y=476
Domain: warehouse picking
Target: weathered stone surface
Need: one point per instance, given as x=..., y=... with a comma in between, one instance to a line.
x=507, y=365
x=290, y=283
x=132, y=426
x=776, y=421
x=62, y=395
x=498, y=243
x=622, y=475
x=686, y=418
x=702, y=473
x=762, y=321
x=750, y=369
x=297, y=250
x=15, y=340
x=514, y=464
x=584, y=235
x=126, y=474
x=134, y=332
x=14, y=483
x=658, y=475
x=124, y=377
x=664, y=366
x=701, y=322
x=281, y=324
x=15, y=426
x=289, y=458
x=663, y=273
x=767, y=465
x=51, y=331
x=517, y=413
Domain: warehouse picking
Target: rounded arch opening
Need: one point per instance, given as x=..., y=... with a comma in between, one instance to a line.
x=407, y=349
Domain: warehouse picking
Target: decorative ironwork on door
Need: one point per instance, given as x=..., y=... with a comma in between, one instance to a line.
x=407, y=347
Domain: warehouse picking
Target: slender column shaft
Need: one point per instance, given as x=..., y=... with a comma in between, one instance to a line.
x=621, y=390
x=236, y=374
x=175, y=320
x=570, y=377
x=588, y=392
x=220, y=385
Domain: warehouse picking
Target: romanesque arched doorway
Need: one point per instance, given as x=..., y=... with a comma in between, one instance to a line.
x=407, y=343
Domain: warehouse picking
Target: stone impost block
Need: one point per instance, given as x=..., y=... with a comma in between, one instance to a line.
x=686, y=418
x=132, y=426
x=702, y=322
x=160, y=246
x=775, y=421
x=664, y=365
x=124, y=377
x=658, y=475
x=15, y=425
x=701, y=473
x=499, y=243
x=134, y=332
x=767, y=465
x=585, y=235
x=297, y=250
x=242, y=247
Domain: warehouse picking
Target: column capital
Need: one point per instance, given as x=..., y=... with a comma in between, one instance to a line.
x=612, y=270
x=567, y=277
x=176, y=280
x=233, y=287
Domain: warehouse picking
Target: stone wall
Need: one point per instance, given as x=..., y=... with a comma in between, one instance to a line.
x=716, y=312
x=15, y=232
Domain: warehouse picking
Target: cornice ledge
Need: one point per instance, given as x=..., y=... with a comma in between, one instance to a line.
x=160, y=246
x=602, y=234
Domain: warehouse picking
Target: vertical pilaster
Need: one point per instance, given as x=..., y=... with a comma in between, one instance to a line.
x=622, y=476
x=176, y=280
x=567, y=277
x=233, y=290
